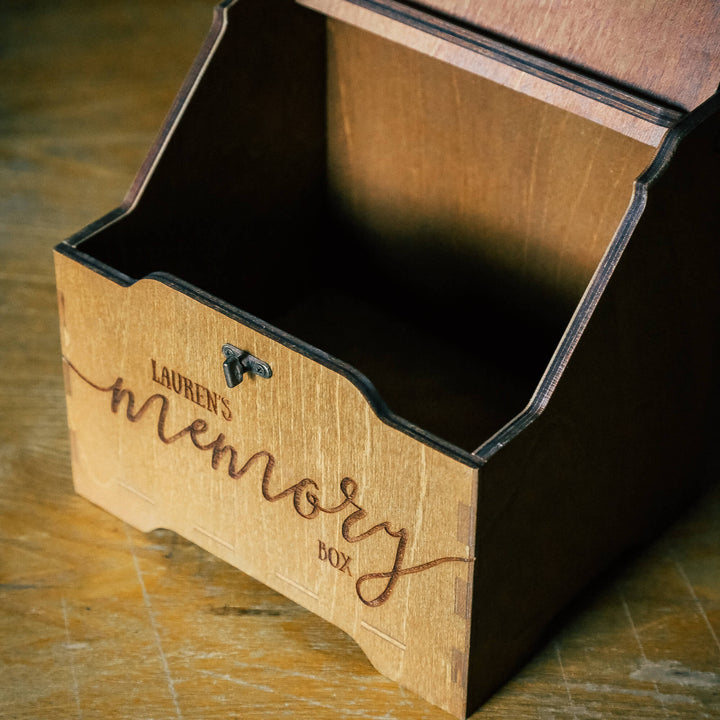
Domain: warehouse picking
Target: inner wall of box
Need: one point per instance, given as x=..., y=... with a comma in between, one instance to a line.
x=474, y=216
x=461, y=223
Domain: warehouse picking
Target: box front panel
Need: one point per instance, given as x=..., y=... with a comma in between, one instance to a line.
x=293, y=478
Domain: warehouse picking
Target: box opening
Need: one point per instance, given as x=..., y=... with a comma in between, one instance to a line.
x=428, y=227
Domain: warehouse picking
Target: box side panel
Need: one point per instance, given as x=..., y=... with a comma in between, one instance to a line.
x=624, y=440
x=292, y=479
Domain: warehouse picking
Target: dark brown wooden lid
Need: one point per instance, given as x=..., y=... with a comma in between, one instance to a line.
x=666, y=49
x=636, y=66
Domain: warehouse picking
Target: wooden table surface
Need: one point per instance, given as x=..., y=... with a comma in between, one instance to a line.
x=100, y=621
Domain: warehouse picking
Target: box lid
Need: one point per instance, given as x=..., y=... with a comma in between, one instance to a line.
x=667, y=49
x=652, y=60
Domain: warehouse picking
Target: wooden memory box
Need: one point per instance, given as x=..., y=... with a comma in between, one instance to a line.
x=411, y=313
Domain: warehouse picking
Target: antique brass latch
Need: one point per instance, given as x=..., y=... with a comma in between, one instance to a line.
x=238, y=362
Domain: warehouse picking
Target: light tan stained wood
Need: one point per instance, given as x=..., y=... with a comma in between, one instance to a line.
x=305, y=423
x=435, y=162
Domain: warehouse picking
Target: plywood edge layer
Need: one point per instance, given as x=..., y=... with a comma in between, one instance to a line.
x=594, y=100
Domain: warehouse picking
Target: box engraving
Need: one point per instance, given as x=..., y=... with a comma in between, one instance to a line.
x=191, y=390
x=304, y=499
x=336, y=558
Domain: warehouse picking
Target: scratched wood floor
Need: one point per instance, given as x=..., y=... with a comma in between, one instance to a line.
x=100, y=621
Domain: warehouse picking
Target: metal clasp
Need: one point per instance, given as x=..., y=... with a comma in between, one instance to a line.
x=238, y=362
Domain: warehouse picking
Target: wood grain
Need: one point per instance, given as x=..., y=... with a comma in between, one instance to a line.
x=101, y=621
x=449, y=164
x=663, y=51
x=245, y=475
x=577, y=90
x=669, y=50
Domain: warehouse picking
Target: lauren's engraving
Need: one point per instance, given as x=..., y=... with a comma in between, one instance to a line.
x=303, y=493
x=191, y=390
x=337, y=558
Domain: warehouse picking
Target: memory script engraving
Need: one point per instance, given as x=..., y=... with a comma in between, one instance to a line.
x=303, y=494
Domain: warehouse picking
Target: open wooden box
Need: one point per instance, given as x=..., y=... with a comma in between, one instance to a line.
x=477, y=356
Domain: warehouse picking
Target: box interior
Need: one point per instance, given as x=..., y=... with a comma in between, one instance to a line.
x=424, y=225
